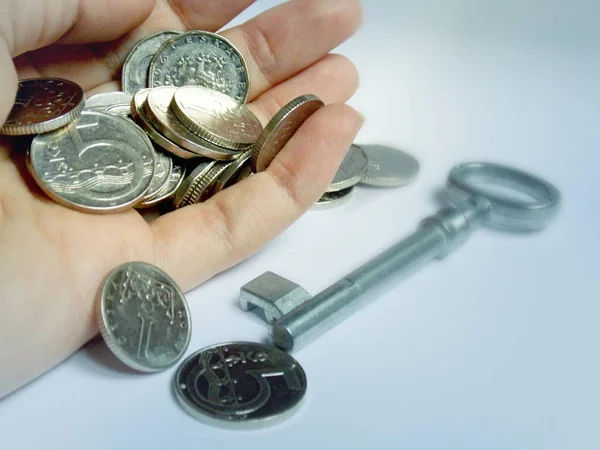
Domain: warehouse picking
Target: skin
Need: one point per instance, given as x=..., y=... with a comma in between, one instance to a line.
x=54, y=260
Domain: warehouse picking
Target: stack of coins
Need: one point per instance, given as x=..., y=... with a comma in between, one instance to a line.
x=371, y=164
x=177, y=134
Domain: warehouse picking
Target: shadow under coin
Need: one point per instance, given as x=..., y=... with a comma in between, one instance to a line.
x=97, y=357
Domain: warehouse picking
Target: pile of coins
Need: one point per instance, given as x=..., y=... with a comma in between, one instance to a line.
x=374, y=165
x=177, y=134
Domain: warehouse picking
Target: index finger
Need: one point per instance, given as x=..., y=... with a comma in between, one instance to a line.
x=198, y=241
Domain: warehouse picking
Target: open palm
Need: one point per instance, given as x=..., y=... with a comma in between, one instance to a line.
x=54, y=260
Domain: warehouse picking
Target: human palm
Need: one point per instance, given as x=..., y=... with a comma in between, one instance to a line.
x=54, y=259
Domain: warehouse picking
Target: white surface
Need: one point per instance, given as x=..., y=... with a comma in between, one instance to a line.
x=495, y=347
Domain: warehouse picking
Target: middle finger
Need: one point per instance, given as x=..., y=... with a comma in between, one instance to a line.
x=286, y=39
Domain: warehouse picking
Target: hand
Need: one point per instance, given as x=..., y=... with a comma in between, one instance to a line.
x=54, y=260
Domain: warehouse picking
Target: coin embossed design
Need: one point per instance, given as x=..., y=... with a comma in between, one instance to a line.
x=100, y=163
x=136, y=68
x=216, y=117
x=281, y=128
x=107, y=100
x=240, y=382
x=144, y=317
x=388, y=167
x=350, y=171
x=330, y=200
x=138, y=114
x=203, y=59
x=156, y=109
x=43, y=105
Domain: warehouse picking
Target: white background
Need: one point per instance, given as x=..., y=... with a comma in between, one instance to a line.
x=495, y=347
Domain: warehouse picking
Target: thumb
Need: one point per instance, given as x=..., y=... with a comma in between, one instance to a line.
x=27, y=25
x=32, y=24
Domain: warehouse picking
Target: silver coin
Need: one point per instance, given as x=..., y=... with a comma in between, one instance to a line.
x=203, y=59
x=163, y=165
x=105, y=100
x=216, y=117
x=331, y=200
x=237, y=170
x=99, y=163
x=136, y=68
x=192, y=187
x=281, y=128
x=350, y=171
x=43, y=105
x=138, y=114
x=144, y=317
x=167, y=191
x=203, y=185
x=156, y=109
x=388, y=167
x=240, y=384
x=121, y=109
x=211, y=178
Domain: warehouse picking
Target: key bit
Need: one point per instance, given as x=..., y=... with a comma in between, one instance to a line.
x=273, y=294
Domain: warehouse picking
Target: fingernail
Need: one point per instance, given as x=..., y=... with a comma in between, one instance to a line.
x=362, y=120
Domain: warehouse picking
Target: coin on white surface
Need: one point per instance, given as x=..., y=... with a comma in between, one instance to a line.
x=144, y=317
x=240, y=383
x=388, y=167
x=330, y=200
x=350, y=171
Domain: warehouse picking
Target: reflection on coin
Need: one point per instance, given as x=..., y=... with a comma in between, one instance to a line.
x=99, y=163
x=136, y=67
x=350, y=171
x=236, y=171
x=216, y=117
x=211, y=178
x=144, y=317
x=139, y=116
x=156, y=109
x=240, y=383
x=120, y=109
x=388, y=167
x=203, y=59
x=105, y=100
x=331, y=200
x=42, y=105
x=163, y=165
x=281, y=128
x=167, y=190
x=192, y=186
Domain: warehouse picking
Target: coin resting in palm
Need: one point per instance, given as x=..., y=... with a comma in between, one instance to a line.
x=91, y=151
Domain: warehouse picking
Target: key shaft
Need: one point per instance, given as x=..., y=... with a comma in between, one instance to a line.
x=435, y=237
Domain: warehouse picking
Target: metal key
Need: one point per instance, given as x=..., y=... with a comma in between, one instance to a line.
x=470, y=187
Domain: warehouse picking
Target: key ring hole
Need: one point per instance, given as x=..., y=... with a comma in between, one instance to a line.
x=519, y=200
x=503, y=185
x=493, y=187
